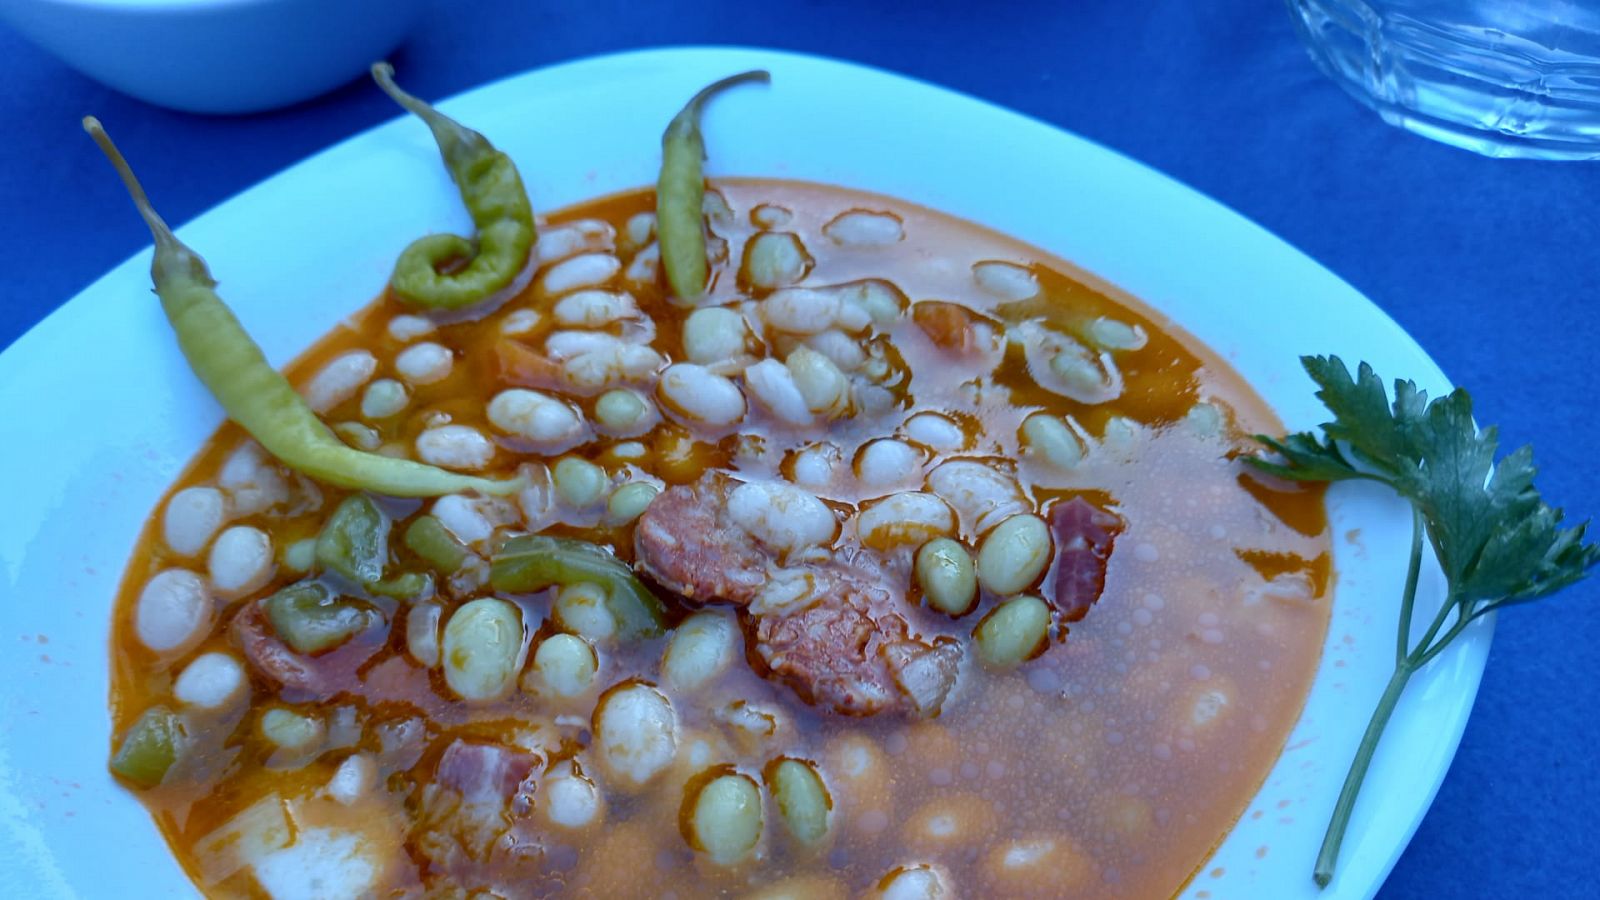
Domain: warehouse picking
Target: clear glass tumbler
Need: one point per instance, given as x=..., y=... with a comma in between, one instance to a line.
x=1510, y=78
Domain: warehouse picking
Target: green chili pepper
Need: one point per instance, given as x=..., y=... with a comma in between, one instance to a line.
x=681, y=190
x=251, y=391
x=428, y=538
x=493, y=193
x=407, y=586
x=533, y=562
x=310, y=617
x=355, y=540
x=150, y=746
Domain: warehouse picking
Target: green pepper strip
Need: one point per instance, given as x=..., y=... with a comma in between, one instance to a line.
x=310, y=617
x=355, y=540
x=493, y=193
x=251, y=391
x=681, y=191
x=534, y=562
x=428, y=538
x=149, y=747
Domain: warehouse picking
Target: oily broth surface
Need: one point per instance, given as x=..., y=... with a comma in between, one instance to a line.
x=1109, y=766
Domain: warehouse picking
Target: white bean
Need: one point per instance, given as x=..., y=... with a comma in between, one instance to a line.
x=625, y=413
x=864, y=228
x=570, y=799
x=629, y=502
x=802, y=799
x=481, y=647
x=702, y=647
x=473, y=519
x=422, y=632
x=1014, y=555
x=548, y=421
x=301, y=555
x=935, y=431
x=714, y=334
x=781, y=516
x=821, y=383
x=611, y=365
x=698, y=394
x=192, y=516
x=455, y=447
x=1007, y=281
x=1062, y=365
x=240, y=561
x=771, y=383
x=1013, y=632
x=814, y=466
x=1050, y=439
x=581, y=609
x=770, y=215
x=563, y=241
x=644, y=268
x=638, y=231
x=359, y=436
x=354, y=779
x=383, y=398
x=1040, y=867
x=594, y=309
x=1110, y=334
x=424, y=363
x=774, y=259
x=802, y=310
x=980, y=495
x=407, y=328
x=291, y=730
x=880, y=302
x=636, y=732
x=888, y=462
x=843, y=349
x=584, y=271
x=520, y=321
x=251, y=480
x=339, y=380
x=565, y=665
x=578, y=482
x=911, y=517
x=725, y=820
x=947, y=576
x=915, y=882
x=212, y=681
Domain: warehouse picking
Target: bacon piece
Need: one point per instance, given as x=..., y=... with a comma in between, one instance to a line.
x=1084, y=534
x=518, y=364
x=946, y=324
x=473, y=823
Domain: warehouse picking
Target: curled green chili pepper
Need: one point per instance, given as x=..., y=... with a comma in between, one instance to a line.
x=251, y=391
x=493, y=193
x=311, y=617
x=150, y=746
x=533, y=562
x=681, y=191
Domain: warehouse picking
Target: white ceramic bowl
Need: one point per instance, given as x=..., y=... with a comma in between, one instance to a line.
x=216, y=56
x=107, y=413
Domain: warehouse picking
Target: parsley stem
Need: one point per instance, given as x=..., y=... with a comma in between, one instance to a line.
x=1404, y=665
x=1408, y=600
x=1358, y=773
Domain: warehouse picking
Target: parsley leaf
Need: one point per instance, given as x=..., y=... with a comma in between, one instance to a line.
x=1496, y=540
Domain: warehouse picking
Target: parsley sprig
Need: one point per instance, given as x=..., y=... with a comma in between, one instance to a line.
x=1496, y=540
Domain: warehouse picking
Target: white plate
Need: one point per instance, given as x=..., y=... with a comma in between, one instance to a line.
x=101, y=412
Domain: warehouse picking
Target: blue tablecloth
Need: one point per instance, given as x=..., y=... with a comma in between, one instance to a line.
x=1489, y=264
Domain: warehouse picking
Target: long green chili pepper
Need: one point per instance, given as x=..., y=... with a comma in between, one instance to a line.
x=493, y=193
x=150, y=746
x=534, y=562
x=681, y=191
x=251, y=391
